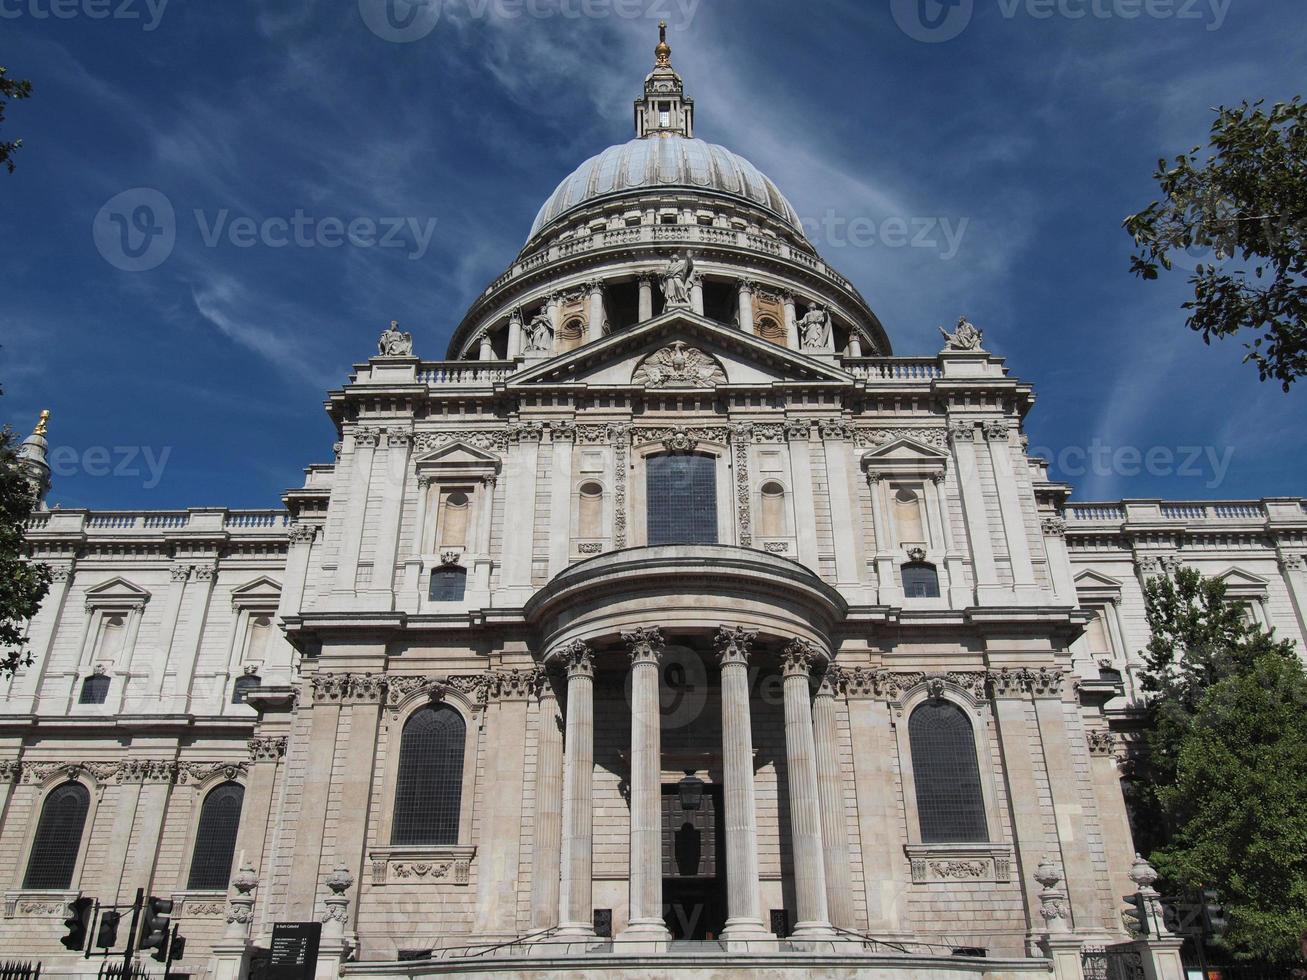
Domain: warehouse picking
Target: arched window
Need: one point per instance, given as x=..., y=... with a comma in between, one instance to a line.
x=58, y=838
x=920, y=581
x=682, y=499
x=429, y=787
x=256, y=645
x=772, y=523
x=907, y=516
x=950, y=802
x=449, y=584
x=454, y=512
x=95, y=690
x=590, y=512
x=769, y=328
x=243, y=686
x=215, y=838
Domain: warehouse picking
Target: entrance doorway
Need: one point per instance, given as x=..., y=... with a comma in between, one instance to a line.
x=694, y=866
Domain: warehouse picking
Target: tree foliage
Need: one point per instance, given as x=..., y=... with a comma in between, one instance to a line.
x=23, y=584
x=1246, y=204
x=10, y=88
x=1223, y=777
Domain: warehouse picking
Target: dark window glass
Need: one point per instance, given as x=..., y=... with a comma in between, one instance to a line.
x=682, y=499
x=243, y=686
x=215, y=838
x=95, y=690
x=58, y=838
x=429, y=789
x=920, y=581
x=950, y=803
x=448, y=584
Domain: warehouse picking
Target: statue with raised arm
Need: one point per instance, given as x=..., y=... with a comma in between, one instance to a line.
x=676, y=282
x=966, y=337
x=540, y=335
x=394, y=343
x=815, y=329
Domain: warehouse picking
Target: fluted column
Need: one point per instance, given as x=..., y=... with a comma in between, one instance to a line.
x=598, y=317
x=576, y=891
x=805, y=823
x=791, y=323
x=830, y=790
x=646, y=298
x=696, y=293
x=549, y=810
x=743, y=904
x=645, y=920
x=746, y=306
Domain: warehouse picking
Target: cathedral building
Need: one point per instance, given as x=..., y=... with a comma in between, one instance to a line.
x=673, y=622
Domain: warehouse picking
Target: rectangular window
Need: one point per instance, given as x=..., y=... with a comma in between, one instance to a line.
x=682, y=499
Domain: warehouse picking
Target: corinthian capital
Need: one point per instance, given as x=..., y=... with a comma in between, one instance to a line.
x=799, y=657
x=578, y=658
x=734, y=644
x=646, y=644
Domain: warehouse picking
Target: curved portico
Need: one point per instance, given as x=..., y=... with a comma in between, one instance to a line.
x=742, y=605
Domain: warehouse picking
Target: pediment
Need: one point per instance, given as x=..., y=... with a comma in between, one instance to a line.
x=458, y=454
x=117, y=591
x=1241, y=584
x=680, y=351
x=905, y=450
x=261, y=591
x=1092, y=579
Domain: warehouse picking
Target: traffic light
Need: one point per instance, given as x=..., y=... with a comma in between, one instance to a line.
x=1136, y=914
x=154, y=930
x=106, y=935
x=178, y=948
x=1215, y=924
x=77, y=923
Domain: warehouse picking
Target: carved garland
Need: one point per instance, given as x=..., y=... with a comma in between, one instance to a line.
x=741, y=437
x=620, y=436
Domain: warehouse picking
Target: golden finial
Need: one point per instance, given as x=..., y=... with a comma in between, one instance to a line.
x=41, y=423
x=664, y=50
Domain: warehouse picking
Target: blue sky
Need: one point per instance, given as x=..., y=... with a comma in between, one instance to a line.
x=1009, y=137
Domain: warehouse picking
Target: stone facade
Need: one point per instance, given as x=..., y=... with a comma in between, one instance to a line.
x=486, y=541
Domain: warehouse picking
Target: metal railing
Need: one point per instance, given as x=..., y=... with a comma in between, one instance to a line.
x=1112, y=963
x=14, y=970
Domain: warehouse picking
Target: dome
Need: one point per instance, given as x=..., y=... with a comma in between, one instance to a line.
x=663, y=162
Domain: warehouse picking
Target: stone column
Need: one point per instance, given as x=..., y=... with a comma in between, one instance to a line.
x=519, y=517
x=696, y=293
x=1009, y=503
x=798, y=432
x=746, y=306
x=563, y=437
x=576, y=892
x=549, y=808
x=394, y=480
x=791, y=323
x=1117, y=834
x=645, y=919
x=180, y=574
x=363, y=446
x=830, y=792
x=743, y=903
x=502, y=812
x=850, y=542
x=486, y=348
x=266, y=754
x=1294, y=569
x=646, y=297
x=855, y=344
x=515, y=336
x=805, y=821
x=963, y=436
x=598, y=316
x=1065, y=950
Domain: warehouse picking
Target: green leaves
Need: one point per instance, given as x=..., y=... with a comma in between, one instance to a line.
x=10, y=88
x=1238, y=219
x=23, y=584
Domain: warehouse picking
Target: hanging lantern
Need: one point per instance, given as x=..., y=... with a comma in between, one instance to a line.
x=690, y=789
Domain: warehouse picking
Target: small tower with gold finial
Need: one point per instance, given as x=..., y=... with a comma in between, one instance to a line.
x=32, y=458
x=664, y=110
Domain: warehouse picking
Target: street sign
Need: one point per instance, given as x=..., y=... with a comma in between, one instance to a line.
x=294, y=953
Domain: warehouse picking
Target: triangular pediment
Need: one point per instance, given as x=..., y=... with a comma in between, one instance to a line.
x=905, y=450
x=261, y=590
x=458, y=454
x=116, y=591
x=1092, y=579
x=680, y=351
x=1241, y=583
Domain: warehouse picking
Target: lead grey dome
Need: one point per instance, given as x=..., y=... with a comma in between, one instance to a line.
x=661, y=163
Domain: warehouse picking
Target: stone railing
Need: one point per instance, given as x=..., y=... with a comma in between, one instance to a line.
x=1191, y=511
x=1097, y=513
x=666, y=234
x=208, y=520
x=467, y=374
x=893, y=368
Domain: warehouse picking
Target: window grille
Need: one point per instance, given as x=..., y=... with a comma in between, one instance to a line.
x=682, y=499
x=95, y=690
x=920, y=581
x=215, y=838
x=243, y=686
x=950, y=802
x=449, y=584
x=429, y=788
x=58, y=838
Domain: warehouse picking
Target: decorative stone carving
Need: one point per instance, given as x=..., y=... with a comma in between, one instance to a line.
x=394, y=343
x=513, y=685
x=492, y=439
x=39, y=772
x=60, y=573
x=776, y=547
x=266, y=748
x=366, y=438
x=336, y=917
x=397, y=438
x=833, y=682
x=198, y=772
x=679, y=366
x=456, y=871
x=834, y=429
x=815, y=329
x=734, y=643
x=1101, y=743
x=620, y=436
x=147, y=771
x=959, y=862
x=996, y=430
x=348, y=687
x=1054, y=527
x=562, y=431
x=1293, y=563
x=590, y=548
x=916, y=555
x=934, y=436
x=200, y=910
x=300, y=533
x=526, y=432
x=645, y=644
x=180, y=573
x=577, y=658
x=800, y=657
x=450, y=558
x=538, y=338
x=11, y=771
x=798, y=430
x=965, y=337
x=1042, y=683
x=962, y=432
x=205, y=572
x=741, y=436
x=676, y=282
x=1052, y=900
x=960, y=869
